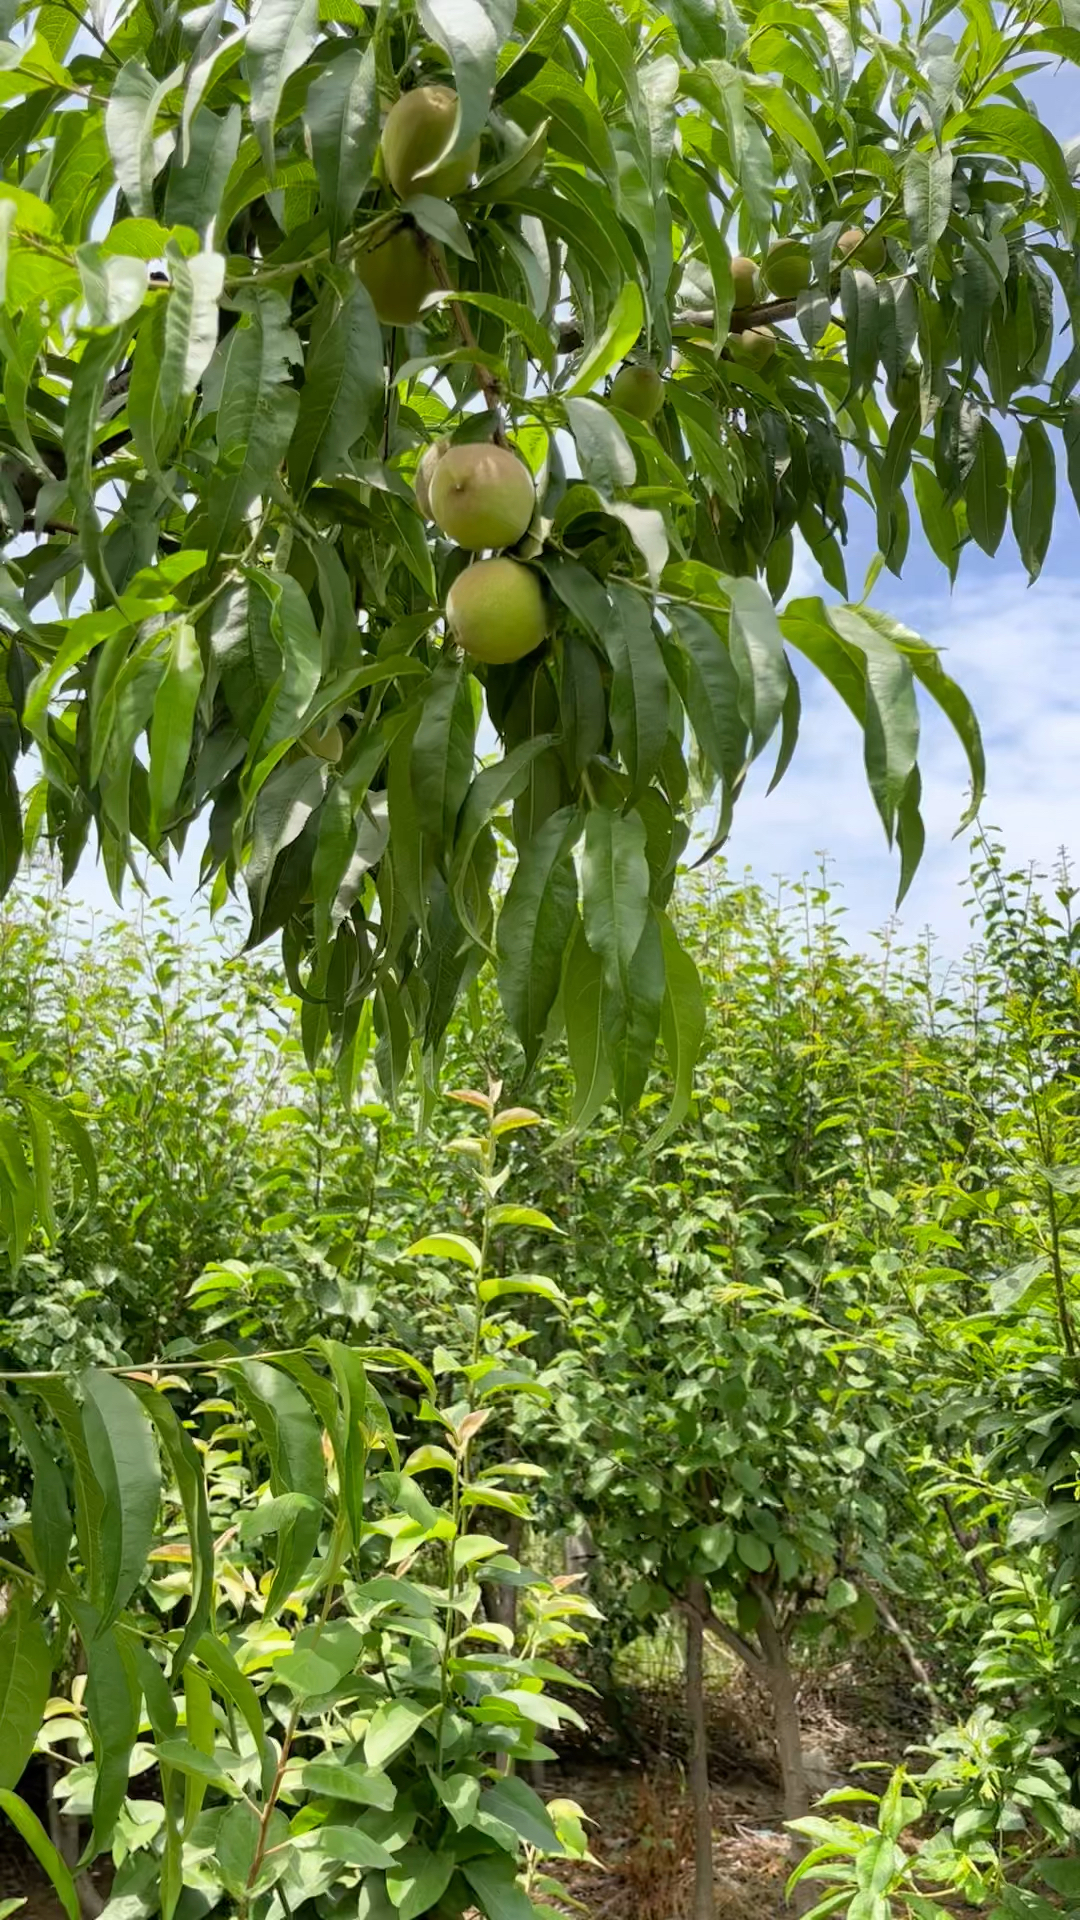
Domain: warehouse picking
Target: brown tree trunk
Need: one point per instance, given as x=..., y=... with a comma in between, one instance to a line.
x=780, y=1681
x=704, y=1903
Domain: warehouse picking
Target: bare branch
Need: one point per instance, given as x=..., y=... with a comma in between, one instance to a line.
x=906, y=1645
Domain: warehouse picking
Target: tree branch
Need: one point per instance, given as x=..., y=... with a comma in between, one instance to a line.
x=904, y=1642
x=485, y=379
x=693, y=320
x=968, y=1545
x=720, y=1630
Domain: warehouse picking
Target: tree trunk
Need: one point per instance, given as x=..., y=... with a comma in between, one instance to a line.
x=781, y=1684
x=65, y=1836
x=579, y=1552
x=501, y=1603
x=704, y=1904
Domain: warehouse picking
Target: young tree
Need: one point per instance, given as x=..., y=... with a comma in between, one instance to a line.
x=261, y=273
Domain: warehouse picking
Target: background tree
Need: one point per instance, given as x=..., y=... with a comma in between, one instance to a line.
x=235, y=318
x=807, y=1354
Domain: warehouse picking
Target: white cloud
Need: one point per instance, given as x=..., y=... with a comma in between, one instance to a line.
x=1014, y=651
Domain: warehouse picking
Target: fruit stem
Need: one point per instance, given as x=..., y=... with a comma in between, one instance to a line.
x=485, y=379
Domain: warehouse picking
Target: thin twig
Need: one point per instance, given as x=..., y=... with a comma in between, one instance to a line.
x=906, y=1646
x=967, y=1547
x=485, y=379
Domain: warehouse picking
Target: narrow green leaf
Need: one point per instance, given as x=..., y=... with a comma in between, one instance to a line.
x=290, y=1435
x=17, y=1192
x=583, y=983
x=1018, y=133
x=343, y=388
x=639, y=693
x=535, y=925
x=631, y=1013
x=1071, y=436
x=341, y=118
x=625, y=322
x=682, y=1027
x=715, y=696
x=786, y=117
x=120, y=1444
x=491, y=789
x=25, y=1678
x=191, y=323
x=50, y=1517
x=187, y=1466
x=134, y=98
x=233, y=1685
x=113, y=1701
x=615, y=890
x=257, y=410
x=99, y=355
x=471, y=34
x=605, y=455
x=926, y=666
x=928, y=173
x=756, y=645
x=26, y=1823
x=350, y=1379
x=191, y=1761
x=89, y=1500
x=862, y=318
x=1034, y=495
x=155, y=428
x=518, y=320
x=279, y=39
x=910, y=832
x=171, y=725
x=194, y=189
x=986, y=489
x=442, y=751
x=938, y=517
x=694, y=195
x=891, y=725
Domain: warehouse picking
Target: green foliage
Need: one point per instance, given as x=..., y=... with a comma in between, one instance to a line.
x=289, y=1613
x=210, y=439
x=807, y=1346
x=993, y=1801
x=134, y=1035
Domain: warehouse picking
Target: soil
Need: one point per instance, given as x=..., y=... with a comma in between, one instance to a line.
x=642, y=1836
x=855, y=1727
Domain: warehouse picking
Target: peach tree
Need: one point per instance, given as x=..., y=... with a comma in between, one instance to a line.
x=268, y=1573
x=409, y=415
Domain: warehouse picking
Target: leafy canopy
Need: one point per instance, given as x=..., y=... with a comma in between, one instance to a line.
x=230, y=606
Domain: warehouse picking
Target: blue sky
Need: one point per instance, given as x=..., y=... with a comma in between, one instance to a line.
x=1012, y=648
